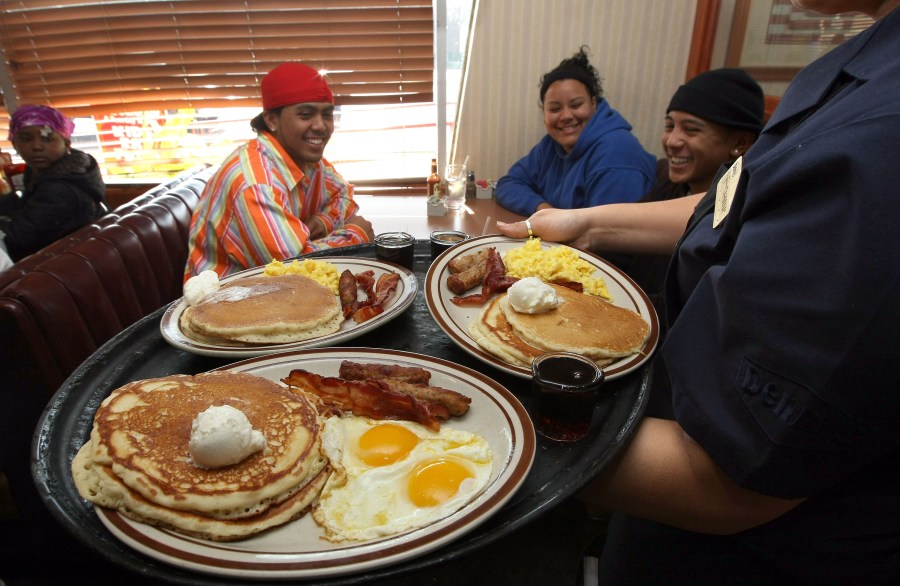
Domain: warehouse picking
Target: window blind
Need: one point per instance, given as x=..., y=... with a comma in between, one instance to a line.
x=92, y=58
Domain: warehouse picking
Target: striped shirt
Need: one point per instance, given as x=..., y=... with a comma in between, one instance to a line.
x=256, y=208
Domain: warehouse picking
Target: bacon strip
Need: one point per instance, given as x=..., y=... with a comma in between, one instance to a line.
x=377, y=293
x=386, y=283
x=495, y=281
x=367, y=399
x=366, y=280
x=573, y=285
x=366, y=312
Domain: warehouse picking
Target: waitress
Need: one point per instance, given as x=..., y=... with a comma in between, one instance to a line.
x=780, y=465
x=63, y=188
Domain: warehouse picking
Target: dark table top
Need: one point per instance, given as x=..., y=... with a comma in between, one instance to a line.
x=140, y=352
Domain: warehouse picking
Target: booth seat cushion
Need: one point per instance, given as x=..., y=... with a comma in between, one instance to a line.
x=59, y=305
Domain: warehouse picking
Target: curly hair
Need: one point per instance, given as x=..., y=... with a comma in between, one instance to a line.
x=577, y=67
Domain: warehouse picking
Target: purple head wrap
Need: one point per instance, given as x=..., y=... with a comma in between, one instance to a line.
x=40, y=116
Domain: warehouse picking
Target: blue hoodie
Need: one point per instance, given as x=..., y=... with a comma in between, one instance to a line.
x=607, y=165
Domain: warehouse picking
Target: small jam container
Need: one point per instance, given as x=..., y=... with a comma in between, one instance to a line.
x=441, y=240
x=396, y=247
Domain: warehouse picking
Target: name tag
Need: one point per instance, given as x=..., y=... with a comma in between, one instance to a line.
x=725, y=190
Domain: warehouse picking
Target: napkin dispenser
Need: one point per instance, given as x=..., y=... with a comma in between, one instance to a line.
x=436, y=206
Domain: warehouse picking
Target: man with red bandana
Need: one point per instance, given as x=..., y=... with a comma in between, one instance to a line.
x=277, y=196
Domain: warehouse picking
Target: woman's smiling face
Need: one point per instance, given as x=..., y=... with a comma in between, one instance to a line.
x=567, y=108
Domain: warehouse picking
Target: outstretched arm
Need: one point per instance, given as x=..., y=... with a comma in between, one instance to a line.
x=636, y=228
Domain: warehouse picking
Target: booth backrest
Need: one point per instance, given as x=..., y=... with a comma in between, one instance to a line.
x=62, y=303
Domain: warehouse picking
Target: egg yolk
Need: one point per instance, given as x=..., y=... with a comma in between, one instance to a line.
x=386, y=444
x=431, y=483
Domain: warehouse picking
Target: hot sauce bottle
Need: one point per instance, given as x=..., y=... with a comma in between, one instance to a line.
x=434, y=180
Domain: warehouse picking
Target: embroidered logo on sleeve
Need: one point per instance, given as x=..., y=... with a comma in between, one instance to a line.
x=725, y=189
x=782, y=408
x=792, y=414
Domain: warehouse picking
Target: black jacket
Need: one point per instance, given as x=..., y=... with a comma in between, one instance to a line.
x=60, y=200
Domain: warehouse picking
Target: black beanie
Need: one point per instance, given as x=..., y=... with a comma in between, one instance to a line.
x=725, y=96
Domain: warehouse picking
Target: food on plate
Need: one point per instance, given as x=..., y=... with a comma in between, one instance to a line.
x=467, y=261
x=286, y=303
x=138, y=459
x=395, y=476
x=491, y=331
x=495, y=281
x=222, y=436
x=461, y=282
x=376, y=292
x=367, y=398
x=412, y=381
x=584, y=324
x=532, y=295
x=556, y=264
x=320, y=271
x=348, y=293
x=264, y=310
x=366, y=371
x=199, y=286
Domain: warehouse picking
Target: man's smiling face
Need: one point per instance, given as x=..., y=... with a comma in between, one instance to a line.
x=304, y=130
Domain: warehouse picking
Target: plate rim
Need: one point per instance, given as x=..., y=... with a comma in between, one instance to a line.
x=465, y=342
x=170, y=329
x=368, y=555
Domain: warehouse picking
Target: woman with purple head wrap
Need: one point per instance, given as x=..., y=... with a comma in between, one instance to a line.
x=63, y=188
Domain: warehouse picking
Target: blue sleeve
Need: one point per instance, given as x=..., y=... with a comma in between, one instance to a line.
x=616, y=186
x=520, y=189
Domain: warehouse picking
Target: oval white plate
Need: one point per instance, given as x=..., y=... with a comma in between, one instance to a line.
x=454, y=319
x=397, y=303
x=297, y=549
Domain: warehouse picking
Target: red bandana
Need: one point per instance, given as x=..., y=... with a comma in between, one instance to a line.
x=294, y=83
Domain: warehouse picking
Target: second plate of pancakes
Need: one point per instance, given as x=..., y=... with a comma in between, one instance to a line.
x=455, y=319
x=396, y=304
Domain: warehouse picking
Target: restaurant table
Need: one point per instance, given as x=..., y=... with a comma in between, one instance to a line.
x=409, y=213
x=559, y=469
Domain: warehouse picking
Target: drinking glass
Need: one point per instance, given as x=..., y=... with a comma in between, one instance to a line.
x=456, y=186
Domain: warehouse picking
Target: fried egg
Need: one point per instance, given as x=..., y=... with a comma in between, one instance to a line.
x=394, y=476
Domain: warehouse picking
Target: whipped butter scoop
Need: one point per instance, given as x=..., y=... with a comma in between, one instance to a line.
x=532, y=295
x=199, y=286
x=222, y=436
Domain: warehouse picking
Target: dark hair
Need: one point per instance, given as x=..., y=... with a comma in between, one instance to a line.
x=258, y=124
x=577, y=67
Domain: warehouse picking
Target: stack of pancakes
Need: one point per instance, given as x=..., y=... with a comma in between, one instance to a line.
x=137, y=460
x=584, y=324
x=264, y=310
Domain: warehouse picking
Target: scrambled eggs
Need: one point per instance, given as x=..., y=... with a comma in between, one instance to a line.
x=558, y=263
x=321, y=271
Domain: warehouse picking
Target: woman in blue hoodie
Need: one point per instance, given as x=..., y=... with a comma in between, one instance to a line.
x=589, y=156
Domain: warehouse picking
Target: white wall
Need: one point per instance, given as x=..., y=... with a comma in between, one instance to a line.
x=640, y=48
